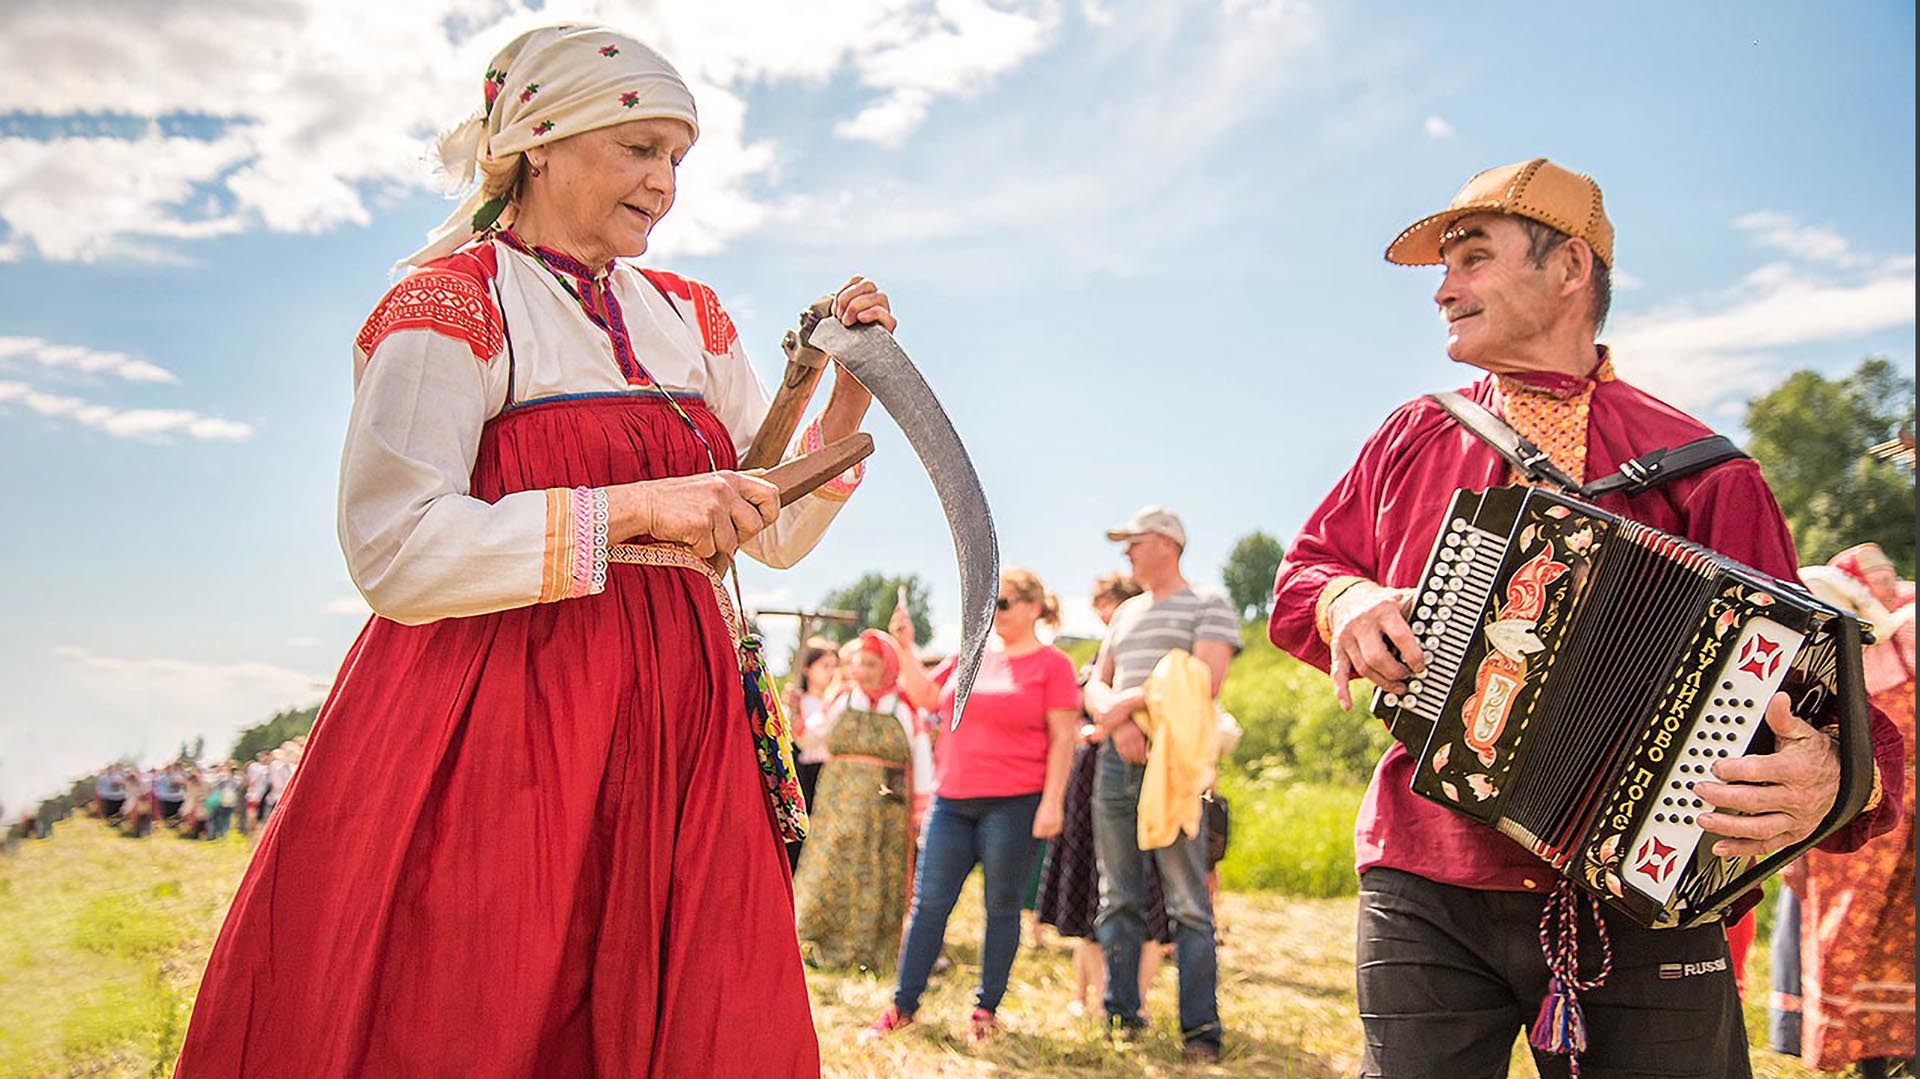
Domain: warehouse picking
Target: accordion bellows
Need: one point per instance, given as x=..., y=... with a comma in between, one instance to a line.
x=1584, y=671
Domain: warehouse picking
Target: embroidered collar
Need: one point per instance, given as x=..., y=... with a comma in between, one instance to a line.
x=1555, y=384
x=557, y=261
x=595, y=297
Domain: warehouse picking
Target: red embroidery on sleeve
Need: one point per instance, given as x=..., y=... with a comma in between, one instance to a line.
x=448, y=301
x=717, y=334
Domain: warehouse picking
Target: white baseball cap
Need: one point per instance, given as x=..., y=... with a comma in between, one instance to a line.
x=1151, y=519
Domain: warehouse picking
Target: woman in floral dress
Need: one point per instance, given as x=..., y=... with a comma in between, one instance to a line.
x=853, y=882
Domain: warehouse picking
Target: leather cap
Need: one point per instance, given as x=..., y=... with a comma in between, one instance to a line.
x=1537, y=189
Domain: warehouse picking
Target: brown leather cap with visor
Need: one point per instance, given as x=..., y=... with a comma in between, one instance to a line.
x=1537, y=189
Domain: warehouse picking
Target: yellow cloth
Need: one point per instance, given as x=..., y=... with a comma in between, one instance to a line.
x=1181, y=721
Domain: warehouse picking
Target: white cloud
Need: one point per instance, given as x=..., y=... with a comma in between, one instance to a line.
x=1626, y=282
x=1106, y=181
x=956, y=47
x=87, y=199
x=1437, y=127
x=195, y=679
x=294, y=116
x=1781, y=231
x=83, y=360
x=352, y=604
x=110, y=706
x=887, y=121
x=142, y=423
x=1711, y=354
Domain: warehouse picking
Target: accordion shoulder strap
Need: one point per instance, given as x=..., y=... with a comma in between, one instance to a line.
x=1641, y=474
x=1531, y=460
x=1653, y=469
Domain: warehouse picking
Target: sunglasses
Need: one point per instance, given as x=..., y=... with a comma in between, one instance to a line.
x=1001, y=603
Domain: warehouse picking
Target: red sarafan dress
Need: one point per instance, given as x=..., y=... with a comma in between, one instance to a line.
x=530, y=840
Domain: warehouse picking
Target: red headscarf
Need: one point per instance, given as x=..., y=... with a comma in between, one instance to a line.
x=1858, y=560
x=876, y=643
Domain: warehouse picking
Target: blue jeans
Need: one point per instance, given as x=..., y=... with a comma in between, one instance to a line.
x=1120, y=926
x=997, y=835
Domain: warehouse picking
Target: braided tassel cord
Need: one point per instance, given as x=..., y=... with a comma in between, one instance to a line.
x=1562, y=1027
x=772, y=743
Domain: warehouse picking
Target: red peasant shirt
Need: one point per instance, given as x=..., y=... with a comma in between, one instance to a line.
x=1379, y=523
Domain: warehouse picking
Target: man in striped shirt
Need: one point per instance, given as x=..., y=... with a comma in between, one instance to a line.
x=1170, y=614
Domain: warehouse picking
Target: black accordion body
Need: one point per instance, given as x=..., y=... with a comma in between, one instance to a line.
x=1585, y=670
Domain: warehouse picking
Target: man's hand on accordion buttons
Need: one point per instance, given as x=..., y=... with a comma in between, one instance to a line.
x=1366, y=619
x=1776, y=799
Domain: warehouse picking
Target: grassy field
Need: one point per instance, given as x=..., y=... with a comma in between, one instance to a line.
x=102, y=940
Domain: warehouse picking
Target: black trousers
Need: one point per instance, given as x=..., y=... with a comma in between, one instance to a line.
x=1448, y=976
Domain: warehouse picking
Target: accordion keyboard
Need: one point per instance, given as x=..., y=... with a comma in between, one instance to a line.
x=1732, y=713
x=1446, y=612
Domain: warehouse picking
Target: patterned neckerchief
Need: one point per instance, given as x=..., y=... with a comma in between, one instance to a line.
x=1550, y=410
x=593, y=291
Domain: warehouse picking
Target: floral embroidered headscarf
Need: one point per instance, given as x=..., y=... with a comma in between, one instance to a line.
x=546, y=85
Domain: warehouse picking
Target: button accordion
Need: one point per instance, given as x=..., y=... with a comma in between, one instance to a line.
x=1584, y=671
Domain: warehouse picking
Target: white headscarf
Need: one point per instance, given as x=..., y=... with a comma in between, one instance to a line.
x=548, y=84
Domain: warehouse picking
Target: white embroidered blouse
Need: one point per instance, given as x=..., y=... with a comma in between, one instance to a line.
x=431, y=368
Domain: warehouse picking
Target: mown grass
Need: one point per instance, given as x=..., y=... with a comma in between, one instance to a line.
x=101, y=944
x=102, y=941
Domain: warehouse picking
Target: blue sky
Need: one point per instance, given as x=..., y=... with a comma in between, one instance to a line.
x=1135, y=247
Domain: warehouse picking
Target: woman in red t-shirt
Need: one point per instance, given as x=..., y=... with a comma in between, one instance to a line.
x=1001, y=779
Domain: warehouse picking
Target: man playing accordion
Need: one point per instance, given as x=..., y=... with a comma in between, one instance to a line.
x=1449, y=960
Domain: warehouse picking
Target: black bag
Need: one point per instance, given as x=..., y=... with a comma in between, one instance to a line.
x=1218, y=827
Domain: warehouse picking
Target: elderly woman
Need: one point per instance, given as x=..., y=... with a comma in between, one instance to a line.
x=531, y=835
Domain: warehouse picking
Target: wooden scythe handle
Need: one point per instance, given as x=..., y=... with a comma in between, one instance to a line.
x=804, y=367
x=798, y=477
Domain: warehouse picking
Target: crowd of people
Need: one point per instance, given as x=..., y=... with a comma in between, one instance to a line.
x=194, y=801
x=1050, y=787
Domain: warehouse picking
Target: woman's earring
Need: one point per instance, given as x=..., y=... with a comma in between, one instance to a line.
x=533, y=168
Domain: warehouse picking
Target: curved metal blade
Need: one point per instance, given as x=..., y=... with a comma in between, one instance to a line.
x=870, y=354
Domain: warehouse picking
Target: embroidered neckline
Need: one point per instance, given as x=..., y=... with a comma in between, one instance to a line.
x=595, y=296
x=554, y=258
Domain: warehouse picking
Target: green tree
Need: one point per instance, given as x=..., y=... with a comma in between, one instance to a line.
x=1249, y=573
x=873, y=597
x=288, y=724
x=1287, y=710
x=1810, y=435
